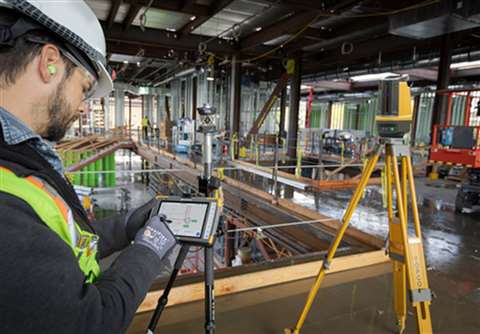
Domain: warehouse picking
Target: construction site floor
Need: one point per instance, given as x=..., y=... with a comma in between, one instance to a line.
x=452, y=247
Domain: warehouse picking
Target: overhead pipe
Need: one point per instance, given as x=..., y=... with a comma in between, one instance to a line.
x=175, y=76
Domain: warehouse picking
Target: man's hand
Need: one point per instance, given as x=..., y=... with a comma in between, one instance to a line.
x=157, y=236
x=136, y=218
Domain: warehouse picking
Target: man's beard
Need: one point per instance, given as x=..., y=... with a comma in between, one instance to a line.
x=60, y=117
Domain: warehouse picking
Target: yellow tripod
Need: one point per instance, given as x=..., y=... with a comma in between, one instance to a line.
x=405, y=251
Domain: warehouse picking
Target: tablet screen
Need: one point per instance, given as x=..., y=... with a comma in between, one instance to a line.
x=186, y=218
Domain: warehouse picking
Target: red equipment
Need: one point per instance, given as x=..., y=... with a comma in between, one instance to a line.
x=459, y=143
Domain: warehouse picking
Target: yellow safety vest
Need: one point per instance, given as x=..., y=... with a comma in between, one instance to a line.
x=57, y=215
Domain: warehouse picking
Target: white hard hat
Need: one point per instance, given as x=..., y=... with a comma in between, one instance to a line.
x=76, y=24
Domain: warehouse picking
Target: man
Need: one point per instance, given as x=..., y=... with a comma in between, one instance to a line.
x=145, y=126
x=52, y=58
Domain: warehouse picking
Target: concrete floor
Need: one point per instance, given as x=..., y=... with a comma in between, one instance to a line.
x=452, y=247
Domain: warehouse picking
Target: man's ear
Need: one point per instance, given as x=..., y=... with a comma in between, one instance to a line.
x=49, y=63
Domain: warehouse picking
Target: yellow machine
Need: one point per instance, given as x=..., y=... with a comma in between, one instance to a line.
x=405, y=250
x=396, y=109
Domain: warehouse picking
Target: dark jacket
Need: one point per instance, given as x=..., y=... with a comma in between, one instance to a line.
x=42, y=288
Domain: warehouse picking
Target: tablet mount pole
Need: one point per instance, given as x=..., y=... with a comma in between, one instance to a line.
x=207, y=185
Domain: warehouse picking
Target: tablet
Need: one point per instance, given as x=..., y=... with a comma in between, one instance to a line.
x=191, y=220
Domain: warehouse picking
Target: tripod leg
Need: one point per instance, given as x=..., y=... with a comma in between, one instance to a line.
x=338, y=238
x=404, y=187
x=396, y=253
x=163, y=300
x=420, y=293
x=422, y=297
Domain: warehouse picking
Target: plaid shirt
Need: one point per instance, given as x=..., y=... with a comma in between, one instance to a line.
x=16, y=132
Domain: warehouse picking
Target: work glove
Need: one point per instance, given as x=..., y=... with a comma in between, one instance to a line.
x=136, y=218
x=156, y=236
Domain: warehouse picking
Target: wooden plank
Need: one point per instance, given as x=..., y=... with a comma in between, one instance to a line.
x=240, y=283
x=339, y=169
x=76, y=143
x=342, y=184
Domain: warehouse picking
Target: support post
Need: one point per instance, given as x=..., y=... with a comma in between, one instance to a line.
x=441, y=100
x=148, y=107
x=194, y=98
x=119, y=107
x=283, y=110
x=235, y=98
x=160, y=105
x=294, y=108
x=130, y=115
x=106, y=113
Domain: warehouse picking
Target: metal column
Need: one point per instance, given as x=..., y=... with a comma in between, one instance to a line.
x=283, y=110
x=148, y=107
x=294, y=108
x=119, y=107
x=235, y=98
x=160, y=106
x=441, y=101
x=106, y=113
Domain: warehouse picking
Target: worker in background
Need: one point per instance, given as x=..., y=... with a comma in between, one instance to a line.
x=145, y=127
x=52, y=59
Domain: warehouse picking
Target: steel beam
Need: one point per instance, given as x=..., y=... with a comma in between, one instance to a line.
x=162, y=39
x=131, y=15
x=216, y=6
x=331, y=85
x=295, y=93
x=113, y=12
x=421, y=73
x=366, y=52
x=441, y=100
x=281, y=84
x=173, y=6
x=235, y=98
x=283, y=109
x=283, y=27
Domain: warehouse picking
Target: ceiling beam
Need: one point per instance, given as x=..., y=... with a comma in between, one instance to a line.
x=151, y=74
x=351, y=35
x=113, y=12
x=164, y=39
x=173, y=6
x=286, y=26
x=131, y=15
x=421, y=73
x=140, y=69
x=391, y=48
x=215, y=7
x=133, y=50
x=331, y=85
x=309, y=5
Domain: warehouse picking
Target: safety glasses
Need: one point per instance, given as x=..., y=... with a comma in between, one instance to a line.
x=88, y=95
